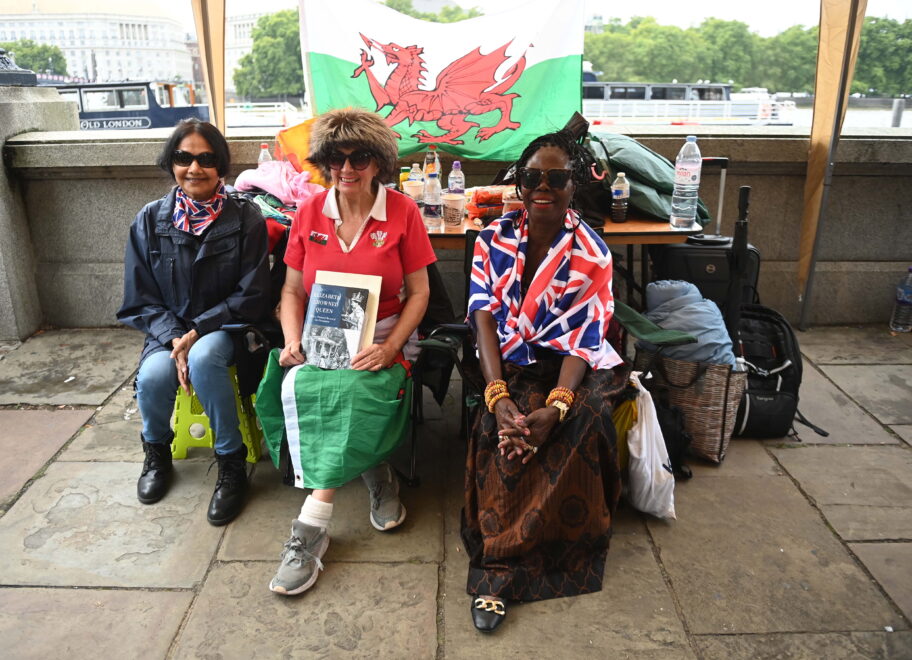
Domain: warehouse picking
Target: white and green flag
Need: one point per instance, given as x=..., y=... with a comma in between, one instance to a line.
x=479, y=88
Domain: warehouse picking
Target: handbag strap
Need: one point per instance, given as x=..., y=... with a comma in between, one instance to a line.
x=660, y=367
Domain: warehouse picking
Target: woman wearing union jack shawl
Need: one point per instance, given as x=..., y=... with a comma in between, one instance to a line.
x=542, y=479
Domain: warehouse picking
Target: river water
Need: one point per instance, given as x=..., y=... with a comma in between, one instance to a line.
x=857, y=118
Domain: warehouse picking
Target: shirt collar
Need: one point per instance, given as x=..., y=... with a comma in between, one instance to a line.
x=377, y=212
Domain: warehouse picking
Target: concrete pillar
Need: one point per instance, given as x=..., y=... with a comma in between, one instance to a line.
x=23, y=109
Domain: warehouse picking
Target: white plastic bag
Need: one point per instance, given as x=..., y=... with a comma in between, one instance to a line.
x=651, y=481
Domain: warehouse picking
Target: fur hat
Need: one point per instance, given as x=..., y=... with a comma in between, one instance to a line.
x=354, y=128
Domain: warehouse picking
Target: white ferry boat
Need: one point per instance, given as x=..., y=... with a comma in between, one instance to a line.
x=682, y=104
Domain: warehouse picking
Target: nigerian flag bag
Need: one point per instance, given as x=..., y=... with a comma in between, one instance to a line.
x=337, y=423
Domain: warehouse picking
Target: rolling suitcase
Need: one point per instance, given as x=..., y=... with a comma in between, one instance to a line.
x=705, y=260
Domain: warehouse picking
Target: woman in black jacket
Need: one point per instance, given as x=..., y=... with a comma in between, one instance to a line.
x=195, y=260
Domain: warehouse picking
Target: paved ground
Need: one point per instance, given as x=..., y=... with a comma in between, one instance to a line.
x=798, y=550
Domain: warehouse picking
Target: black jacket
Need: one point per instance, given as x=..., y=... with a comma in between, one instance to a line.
x=174, y=281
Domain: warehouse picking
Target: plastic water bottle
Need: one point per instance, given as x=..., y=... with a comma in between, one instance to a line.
x=687, y=184
x=264, y=156
x=901, y=321
x=456, y=179
x=431, y=161
x=620, y=195
x=432, y=197
x=416, y=174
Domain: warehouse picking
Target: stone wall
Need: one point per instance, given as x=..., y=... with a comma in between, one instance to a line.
x=80, y=192
x=23, y=109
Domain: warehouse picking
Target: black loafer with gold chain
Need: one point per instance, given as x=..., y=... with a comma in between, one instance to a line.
x=488, y=613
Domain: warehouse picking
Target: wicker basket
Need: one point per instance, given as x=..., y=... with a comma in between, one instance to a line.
x=707, y=394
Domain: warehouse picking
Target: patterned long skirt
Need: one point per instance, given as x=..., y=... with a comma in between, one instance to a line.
x=541, y=530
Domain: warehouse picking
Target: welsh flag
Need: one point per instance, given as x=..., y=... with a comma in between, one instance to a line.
x=481, y=88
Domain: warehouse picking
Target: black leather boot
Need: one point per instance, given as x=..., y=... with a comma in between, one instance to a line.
x=230, y=488
x=156, y=472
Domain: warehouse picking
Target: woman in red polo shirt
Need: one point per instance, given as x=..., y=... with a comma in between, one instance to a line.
x=357, y=226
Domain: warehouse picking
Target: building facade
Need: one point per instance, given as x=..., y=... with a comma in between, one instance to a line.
x=238, y=42
x=104, y=41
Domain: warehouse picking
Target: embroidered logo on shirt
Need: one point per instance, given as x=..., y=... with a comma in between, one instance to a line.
x=319, y=238
x=378, y=238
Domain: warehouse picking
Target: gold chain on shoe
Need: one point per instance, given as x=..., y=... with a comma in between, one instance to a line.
x=489, y=605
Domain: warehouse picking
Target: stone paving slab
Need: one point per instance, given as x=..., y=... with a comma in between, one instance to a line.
x=7, y=346
x=871, y=344
x=885, y=391
x=750, y=555
x=891, y=566
x=81, y=525
x=89, y=623
x=355, y=610
x=114, y=434
x=744, y=458
x=827, y=407
x=113, y=442
x=831, y=646
x=29, y=439
x=904, y=431
x=75, y=367
x=864, y=492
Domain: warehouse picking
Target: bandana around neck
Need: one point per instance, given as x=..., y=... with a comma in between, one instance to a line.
x=194, y=217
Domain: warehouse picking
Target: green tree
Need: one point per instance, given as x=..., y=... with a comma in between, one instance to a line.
x=665, y=53
x=883, y=66
x=787, y=62
x=273, y=67
x=37, y=57
x=449, y=14
x=732, y=50
x=609, y=53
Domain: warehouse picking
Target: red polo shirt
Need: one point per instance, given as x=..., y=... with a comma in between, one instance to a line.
x=392, y=247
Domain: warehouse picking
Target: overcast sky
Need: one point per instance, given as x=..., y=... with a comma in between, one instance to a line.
x=767, y=17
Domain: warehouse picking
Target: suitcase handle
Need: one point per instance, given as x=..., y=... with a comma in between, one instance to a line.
x=713, y=161
x=722, y=162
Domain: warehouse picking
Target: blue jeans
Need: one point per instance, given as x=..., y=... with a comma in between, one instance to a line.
x=156, y=388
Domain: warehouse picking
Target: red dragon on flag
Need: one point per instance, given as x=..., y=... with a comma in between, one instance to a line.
x=465, y=87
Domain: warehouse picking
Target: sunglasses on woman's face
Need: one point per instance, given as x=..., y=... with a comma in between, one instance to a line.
x=359, y=160
x=530, y=177
x=184, y=158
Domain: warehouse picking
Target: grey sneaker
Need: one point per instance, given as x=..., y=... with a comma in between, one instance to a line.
x=301, y=563
x=387, y=511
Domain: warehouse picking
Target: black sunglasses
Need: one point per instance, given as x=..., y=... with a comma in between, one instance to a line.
x=530, y=177
x=359, y=159
x=184, y=158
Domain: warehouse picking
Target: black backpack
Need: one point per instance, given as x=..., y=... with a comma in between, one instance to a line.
x=770, y=351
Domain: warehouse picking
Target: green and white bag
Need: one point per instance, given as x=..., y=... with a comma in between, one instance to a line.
x=337, y=423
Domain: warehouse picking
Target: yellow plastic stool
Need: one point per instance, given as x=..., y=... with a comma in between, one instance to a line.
x=188, y=411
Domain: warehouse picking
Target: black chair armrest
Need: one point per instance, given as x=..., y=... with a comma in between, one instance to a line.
x=460, y=329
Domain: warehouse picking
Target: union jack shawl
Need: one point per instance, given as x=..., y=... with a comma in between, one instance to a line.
x=568, y=305
x=194, y=217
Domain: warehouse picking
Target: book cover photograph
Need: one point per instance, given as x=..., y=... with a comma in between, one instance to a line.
x=340, y=318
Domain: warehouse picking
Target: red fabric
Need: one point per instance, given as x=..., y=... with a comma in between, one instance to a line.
x=405, y=247
x=275, y=230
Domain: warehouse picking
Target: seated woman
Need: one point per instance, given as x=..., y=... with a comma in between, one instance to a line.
x=357, y=226
x=195, y=260
x=542, y=478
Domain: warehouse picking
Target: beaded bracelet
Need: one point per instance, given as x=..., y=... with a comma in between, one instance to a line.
x=494, y=392
x=563, y=394
x=497, y=397
x=495, y=386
